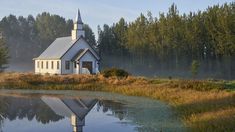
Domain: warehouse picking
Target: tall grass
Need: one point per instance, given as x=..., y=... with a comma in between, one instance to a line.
x=204, y=105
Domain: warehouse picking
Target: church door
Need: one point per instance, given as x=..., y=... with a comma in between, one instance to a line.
x=88, y=65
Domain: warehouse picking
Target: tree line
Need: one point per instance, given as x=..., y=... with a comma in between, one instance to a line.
x=172, y=41
x=28, y=37
x=164, y=45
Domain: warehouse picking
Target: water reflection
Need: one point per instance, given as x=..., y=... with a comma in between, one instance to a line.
x=84, y=111
x=74, y=108
x=26, y=107
x=47, y=108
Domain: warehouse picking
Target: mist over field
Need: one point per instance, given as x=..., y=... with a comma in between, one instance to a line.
x=149, y=46
x=20, y=67
x=154, y=68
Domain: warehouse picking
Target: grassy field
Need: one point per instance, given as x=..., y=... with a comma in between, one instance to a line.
x=203, y=105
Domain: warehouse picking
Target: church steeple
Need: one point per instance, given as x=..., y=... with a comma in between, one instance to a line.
x=78, y=18
x=78, y=31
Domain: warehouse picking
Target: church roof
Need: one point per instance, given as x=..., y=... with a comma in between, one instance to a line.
x=80, y=107
x=59, y=47
x=68, y=106
x=80, y=53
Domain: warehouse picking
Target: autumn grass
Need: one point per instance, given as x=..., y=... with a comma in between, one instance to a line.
x=203, y=105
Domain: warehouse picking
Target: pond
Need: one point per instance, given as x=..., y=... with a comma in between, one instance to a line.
x=83, y=111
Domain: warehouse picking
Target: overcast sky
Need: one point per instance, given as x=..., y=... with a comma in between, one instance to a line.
x=99, y=12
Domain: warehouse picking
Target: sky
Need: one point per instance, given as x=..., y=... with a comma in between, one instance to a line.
x=99, y=12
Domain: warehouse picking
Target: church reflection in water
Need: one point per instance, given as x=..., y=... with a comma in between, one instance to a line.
x=62, y=112
x=74, y=108
x=46, y=109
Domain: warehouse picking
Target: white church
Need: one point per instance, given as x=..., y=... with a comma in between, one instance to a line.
x=69, y=55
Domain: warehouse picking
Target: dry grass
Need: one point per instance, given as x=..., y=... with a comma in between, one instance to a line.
x=202, y=105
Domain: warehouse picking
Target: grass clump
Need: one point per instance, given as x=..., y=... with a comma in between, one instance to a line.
x=114, y=72
x=199, y=85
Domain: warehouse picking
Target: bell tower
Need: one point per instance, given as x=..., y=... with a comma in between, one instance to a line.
x=78, y=31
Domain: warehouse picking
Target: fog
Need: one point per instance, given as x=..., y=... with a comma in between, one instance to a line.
x=225, y=69
x=152, y=68
x=20, y=67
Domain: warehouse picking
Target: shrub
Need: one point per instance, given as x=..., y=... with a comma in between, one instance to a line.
x=195, y=67
x=114, y=72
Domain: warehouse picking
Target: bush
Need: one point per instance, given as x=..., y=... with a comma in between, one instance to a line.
x=114, y=72
x=195, y=67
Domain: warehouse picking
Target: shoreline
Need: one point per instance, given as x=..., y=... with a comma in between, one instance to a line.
x=203, y=105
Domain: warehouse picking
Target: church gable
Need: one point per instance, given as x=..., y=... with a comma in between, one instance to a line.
x=91, y=48
x=81, y=44
x=81, y=53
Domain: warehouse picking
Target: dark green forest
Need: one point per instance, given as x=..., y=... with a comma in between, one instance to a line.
x=3, y=54
x=165, y=45
x=28, y=37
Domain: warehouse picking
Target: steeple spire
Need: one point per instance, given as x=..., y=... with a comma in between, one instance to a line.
x=78, y=31
x=78, y=19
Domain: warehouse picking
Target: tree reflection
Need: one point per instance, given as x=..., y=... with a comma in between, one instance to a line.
x=144, y=114
x=13, y=108
x=118, y=109
x=33, y=107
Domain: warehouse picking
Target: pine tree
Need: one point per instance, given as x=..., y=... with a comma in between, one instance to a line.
x=3, y=54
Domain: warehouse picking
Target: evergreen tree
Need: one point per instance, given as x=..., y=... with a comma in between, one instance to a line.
x=3, y=54
x=172, y=41
x=89, y=35
x=28, y=37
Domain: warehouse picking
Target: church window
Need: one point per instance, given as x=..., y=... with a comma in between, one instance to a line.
x=58, y=65
x=42, y=64
x=38, y=64
x=52, y=65
x=47, y=65
x=67, y=65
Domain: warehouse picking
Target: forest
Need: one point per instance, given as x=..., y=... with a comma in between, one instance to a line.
x=166, y=45
x=28, y=37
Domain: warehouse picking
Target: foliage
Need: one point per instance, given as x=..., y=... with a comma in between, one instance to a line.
x=114, y=72
x=230, y=85
x=89, y=35
x=172, y=41
x=35, y=34
x=3, y=55
x=48, y=27
x=195, y=67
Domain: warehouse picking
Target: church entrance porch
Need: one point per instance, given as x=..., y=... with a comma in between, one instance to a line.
x=87, y=65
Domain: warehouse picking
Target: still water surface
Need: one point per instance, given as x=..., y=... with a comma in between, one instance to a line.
x=68, y=111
